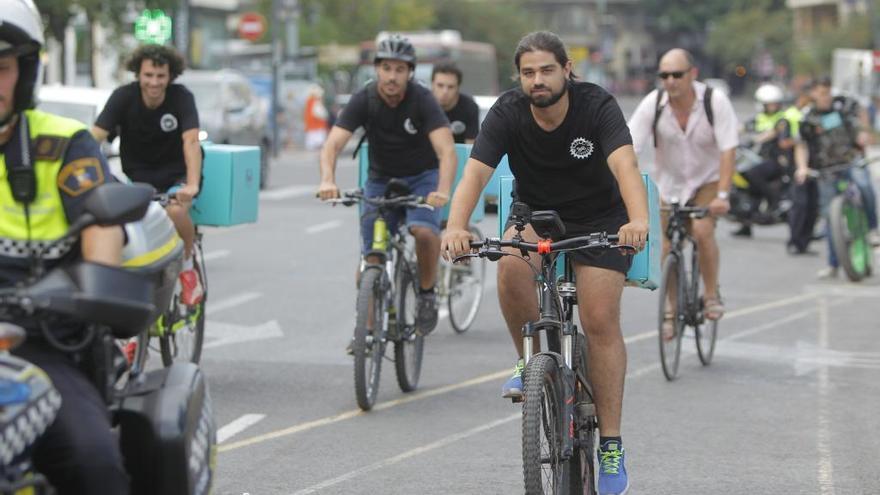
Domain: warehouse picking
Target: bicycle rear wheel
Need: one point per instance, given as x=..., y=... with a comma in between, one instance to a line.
x=409, y=345
x=466, y=289
x=368, y=347
x=184, y=326
x=849, y=229
x=672, y=304
x=544, y=470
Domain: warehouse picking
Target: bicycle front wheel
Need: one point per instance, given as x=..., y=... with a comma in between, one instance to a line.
x=544, y=470
x=184, y=326
x=409, y=345
x=368, y=347
x=849, y=229
x=582, y=464
x=466, y=289
x=671, y=321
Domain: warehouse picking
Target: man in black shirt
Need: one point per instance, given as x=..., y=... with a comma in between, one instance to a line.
x=571, y=151
x=461, y=109
x=158, y=126
x=409, y=139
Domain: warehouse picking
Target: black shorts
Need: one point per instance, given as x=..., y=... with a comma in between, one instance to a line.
x=610, y=259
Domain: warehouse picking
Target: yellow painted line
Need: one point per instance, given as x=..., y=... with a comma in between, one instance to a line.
x=310, y=425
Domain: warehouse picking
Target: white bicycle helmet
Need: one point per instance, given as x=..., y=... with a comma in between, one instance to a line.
x=21, y=34
x=769, y=93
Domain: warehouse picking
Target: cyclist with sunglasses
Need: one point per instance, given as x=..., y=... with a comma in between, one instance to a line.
x=694, y=148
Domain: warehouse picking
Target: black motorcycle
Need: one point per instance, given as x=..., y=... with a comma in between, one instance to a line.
x=164, y=417
x=743, y=207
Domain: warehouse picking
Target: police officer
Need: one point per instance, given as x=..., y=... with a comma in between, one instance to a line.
x=78, y=453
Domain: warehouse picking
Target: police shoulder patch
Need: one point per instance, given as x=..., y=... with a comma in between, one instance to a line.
x=50, y=147
x=80, y=176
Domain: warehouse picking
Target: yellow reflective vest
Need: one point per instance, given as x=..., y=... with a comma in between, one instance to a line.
x=48, y=220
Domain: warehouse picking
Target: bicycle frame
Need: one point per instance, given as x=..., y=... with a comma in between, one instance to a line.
x=676, y=232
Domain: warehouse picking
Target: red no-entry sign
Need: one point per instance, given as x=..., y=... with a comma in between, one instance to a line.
x=251, y=26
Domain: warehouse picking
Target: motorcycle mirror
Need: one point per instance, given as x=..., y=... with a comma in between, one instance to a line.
x=115, y=203
x=11, y=336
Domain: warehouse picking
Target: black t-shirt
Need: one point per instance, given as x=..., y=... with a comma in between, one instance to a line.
x=565, y=169
x=399, y=144
x=464, y=119
x=151, y=145
x=84, y=155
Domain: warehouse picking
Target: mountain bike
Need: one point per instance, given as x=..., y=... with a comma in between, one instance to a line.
x=560, y=426
x=681, y=301
x=387, y=296
x=180, y=329
x=848, y=221
x=460, y=286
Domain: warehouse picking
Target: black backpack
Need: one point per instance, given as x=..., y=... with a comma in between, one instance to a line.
x=658, y=109
x=373, y=103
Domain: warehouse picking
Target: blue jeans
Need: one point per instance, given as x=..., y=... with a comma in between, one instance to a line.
x=861, y=176
x=420, y=185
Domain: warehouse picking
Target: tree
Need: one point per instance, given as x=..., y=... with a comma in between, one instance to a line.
x=741, y=35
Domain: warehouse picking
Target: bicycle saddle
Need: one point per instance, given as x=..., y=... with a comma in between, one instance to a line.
x=548, y=224
x=396, y=188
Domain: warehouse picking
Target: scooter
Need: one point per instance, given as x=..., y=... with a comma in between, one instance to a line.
x=164, y=417
x=742, y=199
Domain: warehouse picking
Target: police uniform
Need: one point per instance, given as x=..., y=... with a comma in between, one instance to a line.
x=78, y=453
x=777, y=161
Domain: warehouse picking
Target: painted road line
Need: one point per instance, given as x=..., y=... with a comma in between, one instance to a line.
x=216, y=255
x=288, y=192
x=231, y=302
x=825, y=467
x=239, y=425
x=321, y=227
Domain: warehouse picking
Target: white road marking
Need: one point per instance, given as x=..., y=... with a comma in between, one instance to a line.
x=288, y=192
x=332, y=224
x=221, y=334
x=238, y=426
x=216, y=255
x=224, y=304
x=825, y=468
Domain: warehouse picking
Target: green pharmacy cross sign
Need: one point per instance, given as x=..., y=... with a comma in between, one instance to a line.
x=153, y=26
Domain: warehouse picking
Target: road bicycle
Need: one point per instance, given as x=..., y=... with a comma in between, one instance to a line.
x=681, y=301
x=180, y=328
x=387, y=296
x=460, y=288
x=559, y=422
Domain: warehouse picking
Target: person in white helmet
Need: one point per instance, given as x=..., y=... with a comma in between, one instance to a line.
x=776, y=131
x=78, y=453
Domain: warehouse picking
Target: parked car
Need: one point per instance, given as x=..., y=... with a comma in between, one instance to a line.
x=83, y=104
x=230, y=112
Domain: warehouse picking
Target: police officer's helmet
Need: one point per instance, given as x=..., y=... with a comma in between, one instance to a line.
x=768, y=94
x=396, y=47
x=21, y=34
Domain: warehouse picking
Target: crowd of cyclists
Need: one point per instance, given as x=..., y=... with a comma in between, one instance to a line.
x=568, y=144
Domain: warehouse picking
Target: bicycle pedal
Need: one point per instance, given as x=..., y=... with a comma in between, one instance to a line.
x=517, y=400
x=586, y=409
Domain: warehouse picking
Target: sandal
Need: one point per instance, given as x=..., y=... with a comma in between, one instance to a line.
x=667, y=328
x=713, y=308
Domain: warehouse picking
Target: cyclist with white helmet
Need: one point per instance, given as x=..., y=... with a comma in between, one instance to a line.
x=776, y=131
x=41, y=192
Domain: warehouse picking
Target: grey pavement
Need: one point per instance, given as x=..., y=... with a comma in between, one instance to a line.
x=788, y=406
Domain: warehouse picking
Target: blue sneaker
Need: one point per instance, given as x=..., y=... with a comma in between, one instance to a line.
x=513, y=388
x=612, y=469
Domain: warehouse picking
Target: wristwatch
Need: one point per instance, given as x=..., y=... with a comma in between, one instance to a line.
x=723, y=195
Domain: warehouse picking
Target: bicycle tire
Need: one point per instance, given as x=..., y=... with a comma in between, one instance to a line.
x=368, y=352
x=582, y=463
x=542, y=409
x=409, y=346
x=705, y=330
x=849, y=228
x=474, y=274
x=670, y=349
x=707, y=335
x=190, y=327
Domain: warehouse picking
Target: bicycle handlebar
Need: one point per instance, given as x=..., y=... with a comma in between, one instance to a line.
x=687, y=211
x=491, y=246
x=353, y=197
x=860, y=163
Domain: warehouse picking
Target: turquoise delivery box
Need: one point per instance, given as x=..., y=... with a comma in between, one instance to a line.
x=645, y=269
x=490, y=193
x=462, y=151
x=230, y=186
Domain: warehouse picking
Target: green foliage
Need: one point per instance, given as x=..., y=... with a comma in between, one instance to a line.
x=353, y=21
x=813, y=56
x=57, y=13
x=741, y=34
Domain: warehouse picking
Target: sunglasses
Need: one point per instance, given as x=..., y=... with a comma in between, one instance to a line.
x=676, y=74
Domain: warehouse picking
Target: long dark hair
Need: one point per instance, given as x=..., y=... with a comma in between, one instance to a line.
x=544, y=41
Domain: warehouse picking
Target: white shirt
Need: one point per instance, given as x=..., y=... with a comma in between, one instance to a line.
x=685, y=159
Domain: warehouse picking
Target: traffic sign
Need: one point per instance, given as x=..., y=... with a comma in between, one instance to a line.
x=251, y=26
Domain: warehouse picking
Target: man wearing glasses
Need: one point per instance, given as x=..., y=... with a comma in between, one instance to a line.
x=694, y=140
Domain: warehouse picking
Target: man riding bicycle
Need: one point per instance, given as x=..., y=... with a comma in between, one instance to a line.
x=570, y=151
x=834, y=131
x=410, y=140
x=695, y=142
x=49, y=166
x=158, y=126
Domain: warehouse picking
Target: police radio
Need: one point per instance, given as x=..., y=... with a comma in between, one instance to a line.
x=19, y=168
